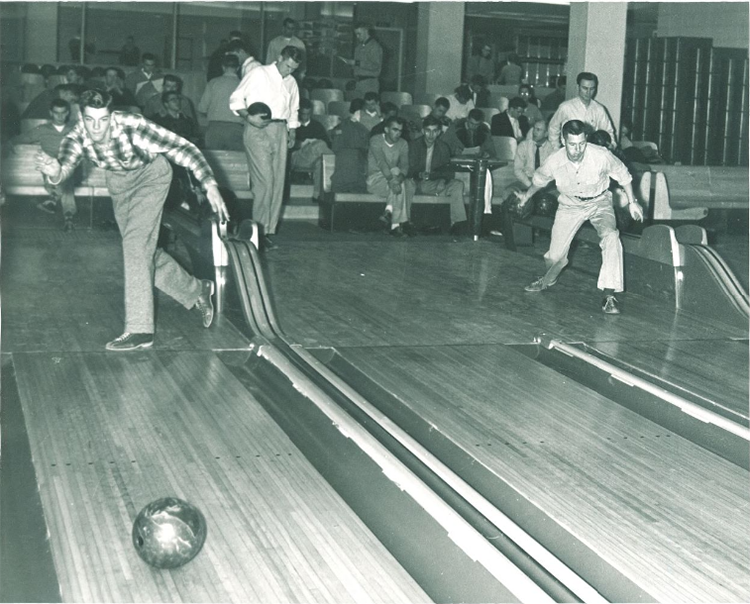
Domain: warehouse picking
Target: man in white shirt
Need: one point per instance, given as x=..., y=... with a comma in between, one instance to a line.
x=267, y=140
x=583, y=108
x=242, y=52
x=582, y=174
x=287, y=38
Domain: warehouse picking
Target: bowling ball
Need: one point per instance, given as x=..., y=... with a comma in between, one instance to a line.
x=169, y=532
x=545, y=205
x=518, y=211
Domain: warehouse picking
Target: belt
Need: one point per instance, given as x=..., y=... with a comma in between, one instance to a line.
x=590, y=198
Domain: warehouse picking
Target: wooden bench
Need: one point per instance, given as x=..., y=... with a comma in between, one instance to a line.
x=341, y=211
x=20, y=177
x=689, y=192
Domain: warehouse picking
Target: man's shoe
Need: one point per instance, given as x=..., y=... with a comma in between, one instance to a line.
x=268, y=244
x=386, y=217
x=460, y=228
x=610, y=305
x=408, y=228
x=68, y=224
x=397, y=232
x=205, y=304
x=48, y=205
x=131, y=341
x=539, y=285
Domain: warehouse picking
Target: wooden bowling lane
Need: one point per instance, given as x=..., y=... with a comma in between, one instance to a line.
x=64, y=292
x=666, y=514
x=422, y=292
x=111, y=432
x=715, y=371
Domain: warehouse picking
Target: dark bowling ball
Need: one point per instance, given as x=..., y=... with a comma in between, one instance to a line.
x=169, y=532
x=518, y=211
x=545, y=205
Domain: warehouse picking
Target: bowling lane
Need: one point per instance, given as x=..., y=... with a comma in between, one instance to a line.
x=714, y=371
x=109, y=433
x=420, y=292
x=64, y=291
x=666, y=514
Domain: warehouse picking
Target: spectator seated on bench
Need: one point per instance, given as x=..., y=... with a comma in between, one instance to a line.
x=310, y=145
x=387, y=171
x=429, y=166
x=49, y=135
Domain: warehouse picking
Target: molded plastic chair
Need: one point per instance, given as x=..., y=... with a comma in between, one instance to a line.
x=327, y=95
x=318, y=107
x=397, y=98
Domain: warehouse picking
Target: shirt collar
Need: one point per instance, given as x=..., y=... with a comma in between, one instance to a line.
x=385, y=140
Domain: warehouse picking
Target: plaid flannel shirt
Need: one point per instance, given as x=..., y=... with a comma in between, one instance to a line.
x=134, y=142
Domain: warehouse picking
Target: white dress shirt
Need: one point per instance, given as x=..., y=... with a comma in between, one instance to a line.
x=264, y=84
x=595, y=115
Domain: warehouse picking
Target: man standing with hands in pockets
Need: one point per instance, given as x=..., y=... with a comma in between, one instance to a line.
x=267, y=138
x=132, y=150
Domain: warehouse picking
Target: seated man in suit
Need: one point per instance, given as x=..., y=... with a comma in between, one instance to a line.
x=470, y=136
x=310, y=145
x=154, y=105
x=429, y=166
x=387, y=171
x=507, y=123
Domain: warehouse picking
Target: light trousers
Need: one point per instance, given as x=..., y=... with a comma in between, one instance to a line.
x=453, y=189
x=400, y=202
x=266, y=150
x=571, y=214
x=138, y=200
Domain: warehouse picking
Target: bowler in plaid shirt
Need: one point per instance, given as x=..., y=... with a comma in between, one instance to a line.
x=132, y=150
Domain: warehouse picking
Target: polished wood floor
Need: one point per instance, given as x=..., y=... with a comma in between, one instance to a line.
x=430, y=320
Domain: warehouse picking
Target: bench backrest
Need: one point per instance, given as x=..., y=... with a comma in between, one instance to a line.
x=695, y=183
x=230, y=169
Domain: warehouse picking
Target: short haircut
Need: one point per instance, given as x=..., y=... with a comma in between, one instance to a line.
x=74, y=89
x=170, y=77
x=587, y=75
x=117, y=71
x=80, y=70
x=574, y=127
x=528, y=87
x=517, y=103
x=260, y=109
x=477, y=115
x=169, y=93
x=463, y=90
x=293, y=53
x=305, y=104
x=147, y=56
x=59, y=103
x=601, y=138
x=394, y=119
x=372, y=96
x=232, y=61
x=388, y=107
x=443, y=102
x=288, y=21
x=431, y=120
x=362, y=25
x=95, y=98
x=356, y=105
x=562, y=80
x=237, y=45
